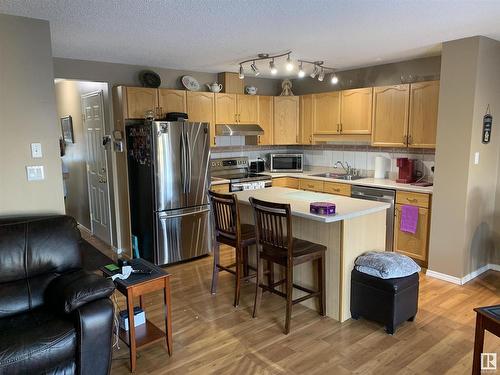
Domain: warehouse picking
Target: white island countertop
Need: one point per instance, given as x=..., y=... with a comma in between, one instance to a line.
x=346, y=208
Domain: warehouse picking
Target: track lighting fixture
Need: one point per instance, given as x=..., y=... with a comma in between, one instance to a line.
x=319, y=69
x=255, y=69
x=272, y=67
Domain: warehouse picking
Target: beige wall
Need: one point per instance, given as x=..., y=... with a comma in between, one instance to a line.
x=461, y=238
x=123, y=74
x=424, y=69
x=27, y=114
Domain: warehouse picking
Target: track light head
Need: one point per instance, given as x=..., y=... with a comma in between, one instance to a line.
x=241, y=75
x=272, y=67
x=255, y=69
x=321, y=75
x=301, y=73
x=289, y=63
x=314, y=72
x=334, y=79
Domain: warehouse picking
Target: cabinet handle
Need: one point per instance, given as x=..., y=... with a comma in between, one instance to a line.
x=338, y=128
x=258, y=139
x=337, y=190
x=310, y=139
x=413, y=200
x=235, y=117
x=214, y=140
x=405, y=139
x=410, y=139
x=341, y=127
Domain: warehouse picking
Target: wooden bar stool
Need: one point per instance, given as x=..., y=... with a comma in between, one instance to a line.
x=229, y=231
x=276, y=244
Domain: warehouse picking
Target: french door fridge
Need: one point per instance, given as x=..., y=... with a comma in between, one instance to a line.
x=168, y=178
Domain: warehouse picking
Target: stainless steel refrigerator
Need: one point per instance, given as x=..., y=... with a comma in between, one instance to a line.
x=168, y=181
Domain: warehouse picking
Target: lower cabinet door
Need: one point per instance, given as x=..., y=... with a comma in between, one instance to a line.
x=412, y=245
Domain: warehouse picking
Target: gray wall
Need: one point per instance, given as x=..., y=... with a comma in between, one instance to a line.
x=424, y=69
x=122, y=74
x=28, y=114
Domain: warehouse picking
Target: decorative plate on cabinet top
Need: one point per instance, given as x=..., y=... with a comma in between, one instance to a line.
x=190, y=83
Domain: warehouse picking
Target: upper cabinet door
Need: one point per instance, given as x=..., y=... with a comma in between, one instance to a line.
x=356, y=113
x=141, y=100
x=422, y=124
x=225, y=109
x=201, y=108
x=265, y=119
x=286, y=120
x=306, y=119
x=390, y=115
x=171, y=101
x=326, y=113
x=248, y=109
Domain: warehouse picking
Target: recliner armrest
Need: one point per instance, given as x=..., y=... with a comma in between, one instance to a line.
x=72, y=290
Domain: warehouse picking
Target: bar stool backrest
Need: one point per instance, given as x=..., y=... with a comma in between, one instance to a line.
x=225, y=213
x=273, y=225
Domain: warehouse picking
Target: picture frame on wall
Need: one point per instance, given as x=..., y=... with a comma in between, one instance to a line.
x=67, y=129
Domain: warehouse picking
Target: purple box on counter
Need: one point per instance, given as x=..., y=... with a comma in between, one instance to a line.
x=322, y=208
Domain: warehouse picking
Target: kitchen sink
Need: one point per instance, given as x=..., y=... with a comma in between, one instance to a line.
x=335, y=176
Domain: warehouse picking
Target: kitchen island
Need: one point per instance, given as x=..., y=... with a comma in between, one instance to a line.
x=358, y=226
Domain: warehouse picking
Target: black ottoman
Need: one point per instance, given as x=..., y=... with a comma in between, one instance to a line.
x=387, y=301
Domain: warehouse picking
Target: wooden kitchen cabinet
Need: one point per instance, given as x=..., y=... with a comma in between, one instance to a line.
x=337, y=188
x=326, y=109
x=289, y=182
x=286, y=120
x=140, y=100
x=413, y=245
x=265, y=119
x=356, y=111
x=248, y=109
x=422, y=123
x=311, y=185
x=171, y=101
x=201, y=108
x=390, y=115
x=225, y=108
x=306, y=119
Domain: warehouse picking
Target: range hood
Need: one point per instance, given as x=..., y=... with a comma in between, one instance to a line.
x=238, y=129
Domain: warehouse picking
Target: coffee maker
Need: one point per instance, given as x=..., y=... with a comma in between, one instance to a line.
x=406, y=170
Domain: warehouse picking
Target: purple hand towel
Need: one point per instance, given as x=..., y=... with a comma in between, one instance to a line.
x=409, y=219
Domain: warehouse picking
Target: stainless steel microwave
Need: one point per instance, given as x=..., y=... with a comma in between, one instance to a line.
x=285, y=162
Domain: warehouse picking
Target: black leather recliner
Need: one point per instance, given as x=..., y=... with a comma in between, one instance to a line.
x=55, y=318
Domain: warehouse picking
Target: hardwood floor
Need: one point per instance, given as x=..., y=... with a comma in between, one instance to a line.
x=210, y=336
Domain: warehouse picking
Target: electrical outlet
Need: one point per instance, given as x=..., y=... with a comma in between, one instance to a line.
x=35, y=172
x=36, y=150
x=476, y=158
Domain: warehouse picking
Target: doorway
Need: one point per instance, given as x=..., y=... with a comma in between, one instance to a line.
x=86, y=162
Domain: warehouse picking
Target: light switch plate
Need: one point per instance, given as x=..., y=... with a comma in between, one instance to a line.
x=35, y=172
x=476, y=158
x=36, y=150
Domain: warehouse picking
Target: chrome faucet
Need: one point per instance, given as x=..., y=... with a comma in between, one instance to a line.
x=347, y=168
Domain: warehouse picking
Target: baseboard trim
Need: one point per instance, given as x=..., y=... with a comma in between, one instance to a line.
x=444, y=277
x=466, y=278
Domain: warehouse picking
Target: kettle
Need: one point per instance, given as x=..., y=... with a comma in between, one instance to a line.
x=214, y=87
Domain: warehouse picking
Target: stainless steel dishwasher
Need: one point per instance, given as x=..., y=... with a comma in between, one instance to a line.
x=379, y=195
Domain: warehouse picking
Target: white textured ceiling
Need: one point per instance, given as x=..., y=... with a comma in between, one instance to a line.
x=213, y=35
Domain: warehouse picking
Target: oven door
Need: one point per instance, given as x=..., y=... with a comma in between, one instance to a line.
x=286, y=163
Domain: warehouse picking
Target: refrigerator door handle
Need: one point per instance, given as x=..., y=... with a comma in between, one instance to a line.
x=183, y=214
x=183, y=163
x=188, y=162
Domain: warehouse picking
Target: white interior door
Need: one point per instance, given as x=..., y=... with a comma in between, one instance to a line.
x=97, y=174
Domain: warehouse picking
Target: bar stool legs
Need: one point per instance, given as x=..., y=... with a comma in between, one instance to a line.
x=215, y=272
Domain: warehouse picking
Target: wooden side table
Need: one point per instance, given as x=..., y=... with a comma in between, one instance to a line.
x=487, y=318
x=137, y=286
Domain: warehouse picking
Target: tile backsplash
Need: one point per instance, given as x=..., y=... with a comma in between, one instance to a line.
x=359, y=157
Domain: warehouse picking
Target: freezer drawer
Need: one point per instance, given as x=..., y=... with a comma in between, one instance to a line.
x=182, y=234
